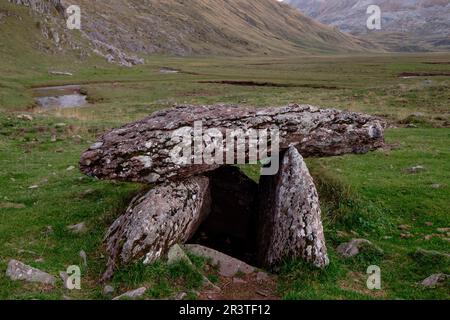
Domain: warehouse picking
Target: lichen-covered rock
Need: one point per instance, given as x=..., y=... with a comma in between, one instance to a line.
x=19, y=271
x=290, y=222
x=155, y=221
x=141, y=151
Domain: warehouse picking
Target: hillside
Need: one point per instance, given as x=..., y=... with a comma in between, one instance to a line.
x=189, y=27
x=407, y=25
x=210, y=27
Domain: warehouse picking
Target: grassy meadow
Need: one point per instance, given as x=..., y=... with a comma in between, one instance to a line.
x=363, y=196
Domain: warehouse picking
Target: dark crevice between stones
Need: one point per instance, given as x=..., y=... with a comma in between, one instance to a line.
x=231, y=226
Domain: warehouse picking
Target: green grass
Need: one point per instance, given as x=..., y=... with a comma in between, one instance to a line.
x=366, y=196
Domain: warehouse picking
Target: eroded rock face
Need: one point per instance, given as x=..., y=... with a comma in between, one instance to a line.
x=41, y=6
x=290, y=222
x=156, y=220
x=140, y=151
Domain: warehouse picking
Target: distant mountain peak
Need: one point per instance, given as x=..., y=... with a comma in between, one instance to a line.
x=407, y=25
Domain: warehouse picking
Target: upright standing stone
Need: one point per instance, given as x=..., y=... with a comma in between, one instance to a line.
x=289, y=215
x=154, y=222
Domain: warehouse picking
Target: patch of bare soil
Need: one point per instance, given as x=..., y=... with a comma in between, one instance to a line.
x=270, y=84
x=437, y=62
x=423, y=74
x=245, y=287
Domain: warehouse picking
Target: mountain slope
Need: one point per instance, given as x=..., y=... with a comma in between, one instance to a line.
x=209, y=27
x=407, y=25
x=198, y=27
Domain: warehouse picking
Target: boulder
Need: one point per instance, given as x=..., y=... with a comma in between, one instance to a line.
x=289, y=218
x=143, y=151
x=19, y=271
x=156, y=220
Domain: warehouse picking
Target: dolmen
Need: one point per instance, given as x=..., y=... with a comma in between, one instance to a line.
x=187, y=156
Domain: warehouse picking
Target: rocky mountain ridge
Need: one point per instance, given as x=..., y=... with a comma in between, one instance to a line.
x=407, y=25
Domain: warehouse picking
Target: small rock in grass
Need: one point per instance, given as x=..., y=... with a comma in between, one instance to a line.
x=83, y=257
x=78, y=228
x=436, y=186
x=354, y=246
x=435, y=280
x=26, y=117
x=35, y=186
x=404, y=227
x=108, y=290
x=429, y=223
x=415, y=169
x=70, y=168
x=443, y=230
x=131, y=295
x=19, y=271
x=181, y=296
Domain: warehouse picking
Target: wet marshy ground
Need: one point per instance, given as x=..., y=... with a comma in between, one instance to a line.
x=69, y=96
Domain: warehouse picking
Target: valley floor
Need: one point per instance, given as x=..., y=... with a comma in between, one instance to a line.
x=370, y=196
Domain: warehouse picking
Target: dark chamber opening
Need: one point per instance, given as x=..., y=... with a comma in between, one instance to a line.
x=231, y=226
